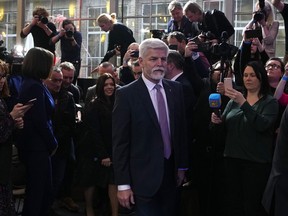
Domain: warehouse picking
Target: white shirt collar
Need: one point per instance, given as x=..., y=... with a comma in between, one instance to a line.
x=175, y=77
x=150, y=85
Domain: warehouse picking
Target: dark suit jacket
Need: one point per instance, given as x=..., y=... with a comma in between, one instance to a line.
x=189, y=101
x=189, y=95
x=64, y=123
x=275, y=195
x=138, y=156
x=90, y=94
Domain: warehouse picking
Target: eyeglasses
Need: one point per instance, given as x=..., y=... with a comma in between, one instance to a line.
x=273, y=66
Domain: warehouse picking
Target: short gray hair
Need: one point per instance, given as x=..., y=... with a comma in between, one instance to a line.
x=67, y=66
x=174, y=5
x=152, y=43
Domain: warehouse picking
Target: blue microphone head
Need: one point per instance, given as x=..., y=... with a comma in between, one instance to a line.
x=215, y=100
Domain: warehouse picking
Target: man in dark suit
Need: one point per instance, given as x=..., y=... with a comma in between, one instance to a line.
x=149, y=157
x=63, y=120
x=275, y=197
x=175, y=67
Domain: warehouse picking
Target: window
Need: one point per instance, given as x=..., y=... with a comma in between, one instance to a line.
x=139, y=15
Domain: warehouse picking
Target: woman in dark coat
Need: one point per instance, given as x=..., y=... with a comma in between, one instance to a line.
x=8, y=122
x=97, y=145
x=37, y=142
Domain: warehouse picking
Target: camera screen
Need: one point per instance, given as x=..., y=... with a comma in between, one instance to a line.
x=253, y=33
x=173, y=47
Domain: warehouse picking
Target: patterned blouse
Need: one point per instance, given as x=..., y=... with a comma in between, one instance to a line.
x=6, y=122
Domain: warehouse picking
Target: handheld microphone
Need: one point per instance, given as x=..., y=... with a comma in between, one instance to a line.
x=215, y=103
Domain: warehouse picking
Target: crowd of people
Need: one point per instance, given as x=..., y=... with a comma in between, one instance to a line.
x=148, y=129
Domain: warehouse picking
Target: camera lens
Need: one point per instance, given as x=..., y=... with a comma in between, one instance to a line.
x=258, y=16
x=44, y=20
x=69, y=33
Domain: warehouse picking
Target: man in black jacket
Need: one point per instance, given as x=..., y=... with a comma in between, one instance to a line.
x=63, y=124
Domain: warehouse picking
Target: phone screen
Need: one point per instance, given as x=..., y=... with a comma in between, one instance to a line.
x=31, y=101
x=228, y=83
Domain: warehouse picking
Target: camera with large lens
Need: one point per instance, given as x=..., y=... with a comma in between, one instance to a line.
x=224, y=50
x=3, y=53
x=69, y=33
x=202, y=46
x=157, y=33
x=43, y=19
x=14, y=59
x=111, y=53
x=260, y=14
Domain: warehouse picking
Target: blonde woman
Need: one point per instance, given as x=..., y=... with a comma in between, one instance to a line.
x=119, y=38
x=268, y=24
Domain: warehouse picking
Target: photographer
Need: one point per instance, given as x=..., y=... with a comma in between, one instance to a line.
x=177, y=40
x=263, y=19
x=120, y=36
x=41, y=29
x=212, y=25
x=213, y=21
x=283, y=9
x=71, y=41
x=250, y=50
x=179, y=22
x=125, y=71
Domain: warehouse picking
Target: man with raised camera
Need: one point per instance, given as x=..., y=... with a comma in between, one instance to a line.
x=177, y=41
x=212, y=22
x=179, y=22
x=41, y=29
x=71, y=41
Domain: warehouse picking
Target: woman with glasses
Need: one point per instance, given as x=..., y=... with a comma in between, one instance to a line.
x=277, y=81
x=9, y=121
x=248, y=121
x=275, y=70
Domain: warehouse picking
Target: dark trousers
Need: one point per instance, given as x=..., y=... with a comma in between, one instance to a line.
x=280, y=201
x=58, y=171
x=245, y=182
x=39, y=183
x=164, y=201
x=66, y=186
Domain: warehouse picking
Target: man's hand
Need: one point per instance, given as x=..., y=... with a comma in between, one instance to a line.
x=106, y=162
x=189, y=48
x=35, y=20
x=180, y=177
x=126, y=198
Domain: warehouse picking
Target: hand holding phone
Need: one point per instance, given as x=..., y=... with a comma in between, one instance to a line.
x=228, y=83
x=32, y=101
